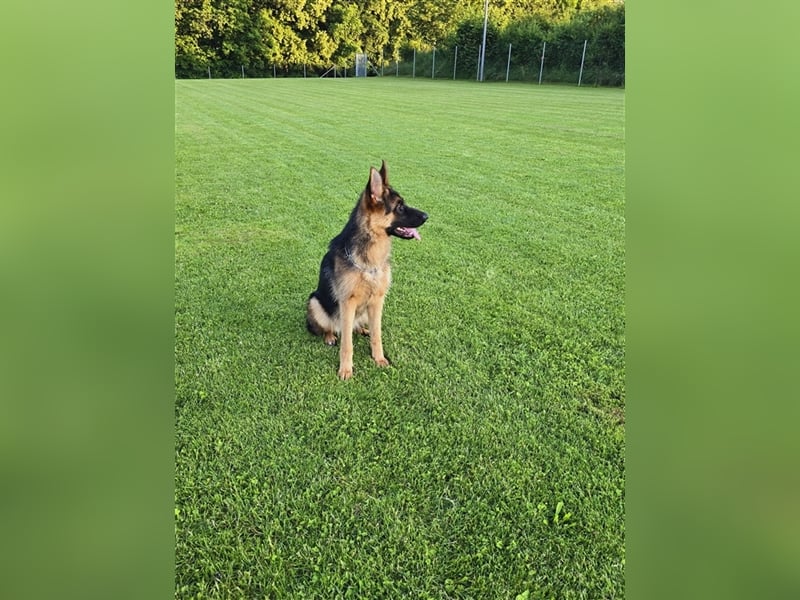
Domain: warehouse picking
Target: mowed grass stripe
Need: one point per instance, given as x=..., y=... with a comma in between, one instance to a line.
x=489, y=460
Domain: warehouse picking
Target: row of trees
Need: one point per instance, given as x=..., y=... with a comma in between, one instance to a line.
x=266, y=36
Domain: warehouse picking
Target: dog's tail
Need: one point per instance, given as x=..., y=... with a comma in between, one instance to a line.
x=311, y=324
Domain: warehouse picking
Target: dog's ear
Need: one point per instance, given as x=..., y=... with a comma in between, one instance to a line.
x=375, y=186
x=384, y=173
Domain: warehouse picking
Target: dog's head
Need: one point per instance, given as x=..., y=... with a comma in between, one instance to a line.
x=395, y=216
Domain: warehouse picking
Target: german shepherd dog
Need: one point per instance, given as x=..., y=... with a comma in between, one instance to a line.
x=354, y=276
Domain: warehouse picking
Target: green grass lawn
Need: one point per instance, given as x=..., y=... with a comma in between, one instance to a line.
x=488, y=461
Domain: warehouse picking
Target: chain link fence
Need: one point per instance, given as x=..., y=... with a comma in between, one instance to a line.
x=540, y=62
x=572, y=61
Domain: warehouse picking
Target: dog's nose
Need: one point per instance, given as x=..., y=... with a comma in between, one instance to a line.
x=424, y=217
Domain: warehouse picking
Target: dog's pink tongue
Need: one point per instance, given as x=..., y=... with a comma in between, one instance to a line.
x=408, y=232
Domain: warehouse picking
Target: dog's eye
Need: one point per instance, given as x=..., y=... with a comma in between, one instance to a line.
x=400, y=209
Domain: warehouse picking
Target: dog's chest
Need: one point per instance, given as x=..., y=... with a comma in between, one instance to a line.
x=360, y=282
x=370, y=284
x=374, y=280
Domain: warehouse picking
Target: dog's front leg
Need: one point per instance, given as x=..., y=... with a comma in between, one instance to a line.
x=348, y=316
x=375, y=315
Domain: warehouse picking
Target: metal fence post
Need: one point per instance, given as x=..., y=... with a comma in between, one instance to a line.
x=414, y=65
x=508, y=64
x=455, y=62
x=583, y=56
x=483, y=44
x=433, y=66
x=541, y=64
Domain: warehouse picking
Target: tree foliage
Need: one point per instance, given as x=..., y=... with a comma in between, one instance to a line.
x=226, y=35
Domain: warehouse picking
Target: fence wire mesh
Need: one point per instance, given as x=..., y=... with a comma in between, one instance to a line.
x=573, y=61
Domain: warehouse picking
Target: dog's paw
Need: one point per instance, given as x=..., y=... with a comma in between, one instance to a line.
x=345, y=373
x=330, y=339
x=382, y=362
